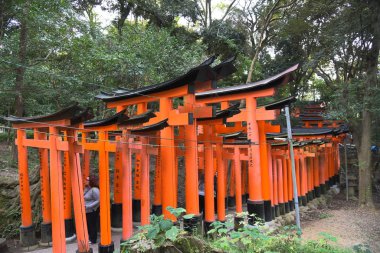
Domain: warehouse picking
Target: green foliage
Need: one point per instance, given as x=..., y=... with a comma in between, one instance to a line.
x=163, y=234
x=254, y=239
x=158, y=233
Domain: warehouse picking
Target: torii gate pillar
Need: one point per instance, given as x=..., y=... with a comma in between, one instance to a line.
x=255, y=203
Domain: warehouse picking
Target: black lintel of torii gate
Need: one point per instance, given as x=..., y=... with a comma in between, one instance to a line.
x=200, y=73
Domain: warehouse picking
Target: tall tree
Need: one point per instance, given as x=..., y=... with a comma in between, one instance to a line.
x=370, y=83
x=260, y=20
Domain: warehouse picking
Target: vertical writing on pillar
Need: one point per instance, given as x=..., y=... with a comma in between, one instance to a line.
x=137, y=173
x=250, y=150
x=65, y=175
x=42, y=179
x=21, y=176
x=117, y=174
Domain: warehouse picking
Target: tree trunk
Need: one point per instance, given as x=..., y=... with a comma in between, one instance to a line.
x=20, y=69
x=254, y=60
x=364, y=154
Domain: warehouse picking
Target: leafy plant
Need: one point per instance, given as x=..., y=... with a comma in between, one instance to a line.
x=158, y=233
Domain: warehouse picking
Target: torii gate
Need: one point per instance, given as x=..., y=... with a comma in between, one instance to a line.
x=208, y=138
x=232, y=138
x=121, y=188
x=67, y=120
x=250, y=92
x=199, y=78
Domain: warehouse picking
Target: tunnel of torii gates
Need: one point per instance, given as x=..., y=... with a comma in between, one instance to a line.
x=237, y=149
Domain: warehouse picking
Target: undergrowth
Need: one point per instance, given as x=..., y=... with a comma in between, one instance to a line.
x=165, y=236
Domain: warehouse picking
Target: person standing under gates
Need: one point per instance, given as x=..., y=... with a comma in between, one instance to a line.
x=91, y=198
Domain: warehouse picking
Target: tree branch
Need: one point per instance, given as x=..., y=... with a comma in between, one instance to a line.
x=228, y=10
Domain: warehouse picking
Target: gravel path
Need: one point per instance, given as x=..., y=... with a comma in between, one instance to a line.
x=345, y=221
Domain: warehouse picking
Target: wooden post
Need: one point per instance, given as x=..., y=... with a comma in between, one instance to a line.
x=116, y=208
x=191, y=170
x=221, y=184
x=27, y=236
x=265, y=180
x=237, y=168
x=106, y=244
x=77, y=191
x=231, y=189
x=271, y=180
x=67, y=205
x=285, y=182
x=303, y=180
x=316, y=175
x=45, y=192
x=126, y=188
x=290, y=183
x=168, y=160
x=275, y=187
x=56, y=185
x=86, y=160
x=255, y=204
x=209, y=181
x=137, y=189
x=145, y=191
x=280, y=187
x=157, y=200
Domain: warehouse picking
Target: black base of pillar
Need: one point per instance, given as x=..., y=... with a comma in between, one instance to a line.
x=303, y=201
x=268, y=210
x=46, y=233
x=273, y=211
x=231, y=201
x=323, y=188
x=116, y=215
x=193, y=225
x=282, y=208
x=312, y=194
x=27, y=236
x=256, y=210
x=157, y=210
x=207, y=227
x=202, y=205
x=291, y=205
x=136, y=210
x=106, y=248
x=277, y=210
x=89, y=251
x=244, y=198
x=287, y=207
x=238, y=223
x=331, y=181
x=69, y=228
x=327, y=183
x=308, y=196
x=317, y=191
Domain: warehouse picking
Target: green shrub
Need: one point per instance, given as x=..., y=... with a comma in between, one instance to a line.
x=164, y=236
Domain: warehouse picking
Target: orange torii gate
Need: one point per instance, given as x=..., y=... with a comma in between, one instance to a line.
x=311, y=167
x=123, y=146
x=238, y=139
x=209, y=138
x=48, y=137
x=249, y=93
x=183, y=87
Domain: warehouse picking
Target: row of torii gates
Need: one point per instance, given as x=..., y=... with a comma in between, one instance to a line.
x=191, y=118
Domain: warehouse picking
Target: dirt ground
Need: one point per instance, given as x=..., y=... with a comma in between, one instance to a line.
x=346, y=222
